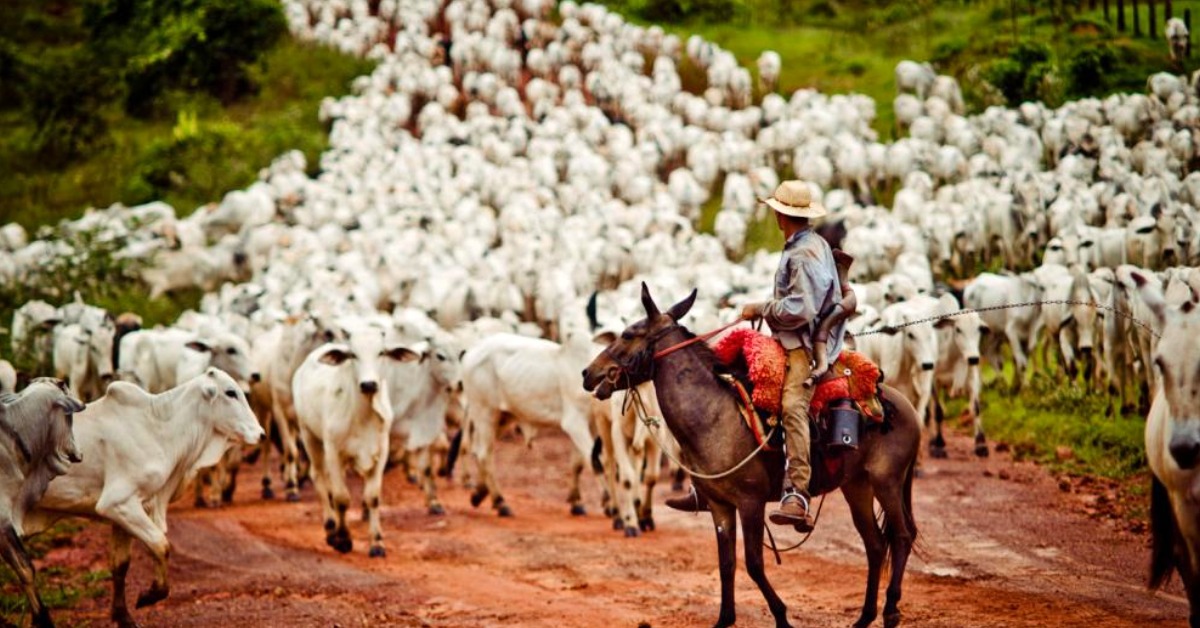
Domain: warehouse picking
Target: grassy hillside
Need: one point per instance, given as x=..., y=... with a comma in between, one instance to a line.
x=853, y=46
x=187, y=155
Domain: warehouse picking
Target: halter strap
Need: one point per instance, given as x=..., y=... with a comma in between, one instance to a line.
x=690, y=341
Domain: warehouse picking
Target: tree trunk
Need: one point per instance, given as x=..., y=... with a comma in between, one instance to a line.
x=1121, y=15
x=1153, y=26
x=1107, y=17
x=1167, y=13
x=1137, y=20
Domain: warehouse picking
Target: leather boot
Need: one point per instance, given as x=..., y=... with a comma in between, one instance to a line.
x=692, y=502
x=793, y=511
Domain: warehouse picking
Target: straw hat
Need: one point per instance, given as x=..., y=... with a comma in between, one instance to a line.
x=794, y=198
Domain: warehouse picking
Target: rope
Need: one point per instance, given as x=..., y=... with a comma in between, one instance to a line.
x=890, y=328
x=690, y=341
x=652, y=422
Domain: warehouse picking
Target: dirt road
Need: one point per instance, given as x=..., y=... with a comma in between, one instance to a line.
x=1002, y=545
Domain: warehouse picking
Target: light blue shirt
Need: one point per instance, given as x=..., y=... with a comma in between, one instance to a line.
x=806, y=290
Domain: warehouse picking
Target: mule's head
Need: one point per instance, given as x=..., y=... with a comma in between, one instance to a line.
x=629, y=359
x=1177, y=361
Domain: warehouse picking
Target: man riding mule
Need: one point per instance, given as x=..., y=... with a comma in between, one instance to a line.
x=737, y=476
x=807, y=315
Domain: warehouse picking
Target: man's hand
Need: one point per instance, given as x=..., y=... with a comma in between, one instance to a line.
x=752, y=311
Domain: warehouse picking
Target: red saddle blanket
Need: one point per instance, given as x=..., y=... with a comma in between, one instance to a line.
x=852, y=376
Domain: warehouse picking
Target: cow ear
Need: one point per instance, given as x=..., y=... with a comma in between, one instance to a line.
x=334, y=357
x=648, y=303
x=984, y=329
x=944, y=323
x=50, y=323
x=680, y=309
x=889, y=330
x=198, y=346
x=1151, y=296
x=404, y=354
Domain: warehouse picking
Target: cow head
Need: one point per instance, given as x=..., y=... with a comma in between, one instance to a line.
x=629, y=359
x=361, y=357
x=58, y=438
x=1177, y=361
x=226, y=405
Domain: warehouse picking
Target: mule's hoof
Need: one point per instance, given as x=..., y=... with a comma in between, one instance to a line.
x=981, y=450
x=436, y=509
x=631, y=532
x=267, y=493
x=937, y=452
x=153, y=595
x=577, y=510
x=293, y=497
x=647, y=525
x=377, y=552
x=891, y=620
x=504, y=511
x=42, y=619
x=126, y=621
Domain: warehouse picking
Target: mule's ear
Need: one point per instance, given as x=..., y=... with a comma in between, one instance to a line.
x=648, y=302
x=680, y=309
x=605, y=337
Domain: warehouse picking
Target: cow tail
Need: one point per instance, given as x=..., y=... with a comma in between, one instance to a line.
x=1163, y=535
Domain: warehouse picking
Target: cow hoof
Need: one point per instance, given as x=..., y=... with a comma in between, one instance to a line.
x=42, y=619
x=647, y=525
x=412, y=479
x=677, y=487
x=504, y=511
x=981, y=450
x=617, y=524
x=937, y=452
x=478, y=496
x=343, y=544
x=200, y=503
x=377, y=552
x=577, y=510
x=267, y=493
x=153, y=595
x=631, y=532
x=293, y=497
x=918, y=473
x=126, y=622
x=436, y=509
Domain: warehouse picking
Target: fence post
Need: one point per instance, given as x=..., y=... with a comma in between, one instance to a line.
x=1121, y=15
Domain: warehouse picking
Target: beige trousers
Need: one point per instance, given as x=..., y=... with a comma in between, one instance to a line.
x=795, y=419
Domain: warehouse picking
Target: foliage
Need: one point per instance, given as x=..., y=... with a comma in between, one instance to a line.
x=66, y=97
x=59, y=587
x=191, y=158
x=196, y=45
x=678, y=10
x=1088, y=70
x=1020, y=76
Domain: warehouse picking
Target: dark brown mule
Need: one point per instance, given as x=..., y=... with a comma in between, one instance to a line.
x=703, y=416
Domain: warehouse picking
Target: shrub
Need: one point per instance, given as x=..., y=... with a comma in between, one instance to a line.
x=1088, y=70
x=1020, y=76
x=66, y=97
x=194, y=157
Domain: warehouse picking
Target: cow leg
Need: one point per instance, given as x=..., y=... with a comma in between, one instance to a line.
x=339, y=496
x=625, y=479
x=482, y=435
x=119, y=564
x=285, y=423
x=372, y=490
x=604, y=457
x=1066, y=350
x=428, y=485
x=937, y=444
x=228, y=473
x=1020, y=359
x=204, y=484
x=131, y=516
x=576, y=427
x=14, y=554
x=751, y=512
x=651, y=465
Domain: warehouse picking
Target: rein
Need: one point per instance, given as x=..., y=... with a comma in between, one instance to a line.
x=634, y=397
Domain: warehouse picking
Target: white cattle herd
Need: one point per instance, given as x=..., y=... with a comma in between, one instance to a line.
x=506, y=163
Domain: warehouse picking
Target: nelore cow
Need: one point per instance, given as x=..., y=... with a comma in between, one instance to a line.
x=141, y=450
x=36, y=446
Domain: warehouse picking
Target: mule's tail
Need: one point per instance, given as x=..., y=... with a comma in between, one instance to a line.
x=1163, y=535
x=890, y=528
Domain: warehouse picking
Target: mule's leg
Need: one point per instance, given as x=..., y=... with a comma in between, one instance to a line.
x=13, y=552
x=895, y=498
x=752, y=527
x=860, y=498
x=725, y=521
x=119, y=564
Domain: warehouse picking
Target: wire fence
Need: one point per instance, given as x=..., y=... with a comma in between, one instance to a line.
x=888, y=329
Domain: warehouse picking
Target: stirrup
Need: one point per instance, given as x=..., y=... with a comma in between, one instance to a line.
x=794, y=494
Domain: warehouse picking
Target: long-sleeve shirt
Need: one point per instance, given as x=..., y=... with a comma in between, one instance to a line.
x=806, y=289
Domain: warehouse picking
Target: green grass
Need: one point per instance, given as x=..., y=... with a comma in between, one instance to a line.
x=59, y=588
x=281, y=117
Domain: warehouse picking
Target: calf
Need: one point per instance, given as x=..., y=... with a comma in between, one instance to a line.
x=1173, y=444
x=37, y=446
x=1068, y=317
x=957, y=370
x=345, y=416
x=1019, y=324
x=533, y=383
x=83, y=357
x=142, y=450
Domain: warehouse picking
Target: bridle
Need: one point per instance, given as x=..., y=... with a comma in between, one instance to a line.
x=644, y=360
